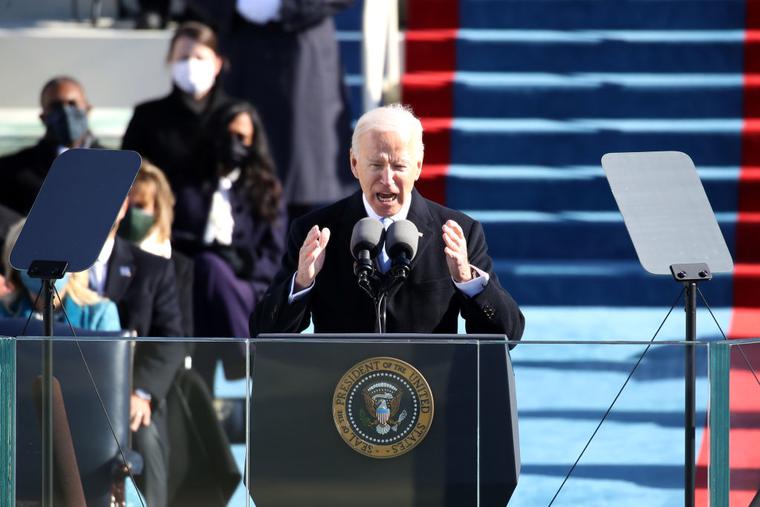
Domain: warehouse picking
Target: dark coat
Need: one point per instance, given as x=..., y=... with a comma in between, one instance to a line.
x=143, y=286
x=23, y=172
x=428, y=302
x=291, y=72
x=257, y=244
x=184, y=273
x=203, y=470
x=167, y=131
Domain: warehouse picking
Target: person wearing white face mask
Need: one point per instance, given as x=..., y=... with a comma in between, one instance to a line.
x=166, y=130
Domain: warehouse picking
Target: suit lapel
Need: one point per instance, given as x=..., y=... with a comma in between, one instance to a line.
x=419, y=215
x=121, y=270
x=353, y=212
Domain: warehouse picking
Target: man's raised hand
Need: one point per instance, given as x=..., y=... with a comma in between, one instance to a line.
x=311, y=257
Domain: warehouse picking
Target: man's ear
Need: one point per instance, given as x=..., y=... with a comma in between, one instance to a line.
x=419, y=169
x=354, y=163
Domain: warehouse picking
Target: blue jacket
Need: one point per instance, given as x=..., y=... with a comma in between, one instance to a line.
x=101, y=316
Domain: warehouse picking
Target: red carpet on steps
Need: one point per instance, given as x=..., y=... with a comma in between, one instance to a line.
x=428, y=85
x=744, y=439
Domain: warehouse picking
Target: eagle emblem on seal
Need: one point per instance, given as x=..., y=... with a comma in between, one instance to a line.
x=383, y=401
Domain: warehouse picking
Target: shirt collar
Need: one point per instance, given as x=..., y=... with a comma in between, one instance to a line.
x=106, y=251
x=401, y=215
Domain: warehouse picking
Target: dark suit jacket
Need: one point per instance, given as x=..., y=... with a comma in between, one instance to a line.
x=23, y=172
x=143, y=286
x=184, y=270
x=428, y=302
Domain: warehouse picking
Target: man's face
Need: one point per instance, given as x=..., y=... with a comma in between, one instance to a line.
x=64, y=113
x=386, y=165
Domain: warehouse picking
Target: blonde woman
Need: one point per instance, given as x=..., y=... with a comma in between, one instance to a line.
x=85, y=309
x=148, y=222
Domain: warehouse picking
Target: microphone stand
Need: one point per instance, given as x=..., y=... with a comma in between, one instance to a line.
x=379, y=287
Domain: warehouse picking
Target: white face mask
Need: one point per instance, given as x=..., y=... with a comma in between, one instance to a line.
x=194, y=76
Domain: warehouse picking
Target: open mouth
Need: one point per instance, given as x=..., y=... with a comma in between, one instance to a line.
x=386, y=198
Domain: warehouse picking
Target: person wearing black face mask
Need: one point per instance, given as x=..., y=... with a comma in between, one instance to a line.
x=231, y=151
x=64, y=114
x=230, y=216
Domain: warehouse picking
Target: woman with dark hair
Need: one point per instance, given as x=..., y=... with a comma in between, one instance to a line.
x=230, y=216
x=166, y=131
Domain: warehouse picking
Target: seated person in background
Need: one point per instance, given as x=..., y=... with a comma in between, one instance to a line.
x=451, y=273
x=64, y=113
x=144, y=288
x=166, y=131
x=230, y=216
x=8, y=218
x=148, y=224
x=84, y=308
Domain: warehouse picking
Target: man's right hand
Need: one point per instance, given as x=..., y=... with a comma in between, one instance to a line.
x=311, y=257
x=5, y=287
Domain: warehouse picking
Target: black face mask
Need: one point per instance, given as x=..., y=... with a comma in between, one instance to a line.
x=231, y=152
x=66, y=124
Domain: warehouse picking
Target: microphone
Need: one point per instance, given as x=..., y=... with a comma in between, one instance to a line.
x=401, y=242
x=366, y=241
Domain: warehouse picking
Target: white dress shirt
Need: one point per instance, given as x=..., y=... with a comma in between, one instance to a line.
x=259, y=12
x=220, y=222
x=99, y=271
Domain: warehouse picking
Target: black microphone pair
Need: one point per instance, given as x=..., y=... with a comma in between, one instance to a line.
x=367, y=241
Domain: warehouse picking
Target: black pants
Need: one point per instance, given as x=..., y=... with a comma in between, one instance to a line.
x=152, y=442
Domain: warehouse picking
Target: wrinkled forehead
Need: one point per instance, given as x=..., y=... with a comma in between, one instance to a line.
x=390, y=140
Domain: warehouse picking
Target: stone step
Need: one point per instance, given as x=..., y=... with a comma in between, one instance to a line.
x=580, y=141
x=550, y=189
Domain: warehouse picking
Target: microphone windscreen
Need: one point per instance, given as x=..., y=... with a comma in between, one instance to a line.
x=402, y=236
x=367, y=235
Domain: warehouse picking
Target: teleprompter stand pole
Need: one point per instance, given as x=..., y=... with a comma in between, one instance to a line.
x=48, y=271
x=690, y=275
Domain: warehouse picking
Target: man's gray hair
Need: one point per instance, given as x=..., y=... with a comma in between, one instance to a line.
x=395, y=117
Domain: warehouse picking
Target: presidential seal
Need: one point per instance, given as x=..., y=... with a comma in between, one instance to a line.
x=382, y=407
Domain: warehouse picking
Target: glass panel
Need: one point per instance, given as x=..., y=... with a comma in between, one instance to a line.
x=101, y=388
x=564, y=390
x=7, y=419
x=362, y=422
x=735, y=429
x=300, y=414
x=719, y=424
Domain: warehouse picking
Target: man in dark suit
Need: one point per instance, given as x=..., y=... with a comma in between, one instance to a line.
x=64, y=113
x=451, y=273
x=144, y=288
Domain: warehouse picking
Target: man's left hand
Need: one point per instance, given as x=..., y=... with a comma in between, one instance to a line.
x=139, y=412
x=456, y=252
